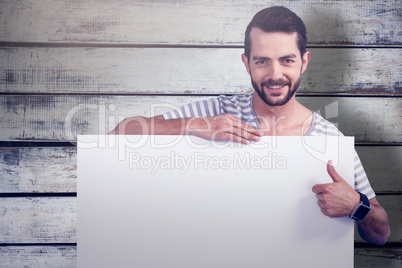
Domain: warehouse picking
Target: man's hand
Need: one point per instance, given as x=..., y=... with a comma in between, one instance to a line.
x=224, y=127
x=336, y=199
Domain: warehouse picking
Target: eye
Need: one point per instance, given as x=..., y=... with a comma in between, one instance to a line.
x=288, y=61
x=260, y=62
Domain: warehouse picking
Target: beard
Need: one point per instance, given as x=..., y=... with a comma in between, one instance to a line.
x=280, y=82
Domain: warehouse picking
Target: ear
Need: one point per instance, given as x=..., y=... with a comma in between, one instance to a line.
x=245, y=61
x=305, y=60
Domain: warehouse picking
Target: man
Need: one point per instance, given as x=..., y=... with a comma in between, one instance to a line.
x=275, y=57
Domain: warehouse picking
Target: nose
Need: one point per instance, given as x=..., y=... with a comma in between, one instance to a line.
x=275, y=71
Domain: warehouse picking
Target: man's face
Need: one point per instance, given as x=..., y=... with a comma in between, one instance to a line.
x=275, y=65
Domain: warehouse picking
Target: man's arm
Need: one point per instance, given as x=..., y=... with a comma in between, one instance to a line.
x=375, y=227
x=219, y=128
x=139, y=125
x=338, y=199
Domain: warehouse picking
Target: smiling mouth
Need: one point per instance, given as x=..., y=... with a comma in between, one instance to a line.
x=275, y=88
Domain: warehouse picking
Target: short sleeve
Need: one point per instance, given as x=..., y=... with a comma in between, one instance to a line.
x=204, y=108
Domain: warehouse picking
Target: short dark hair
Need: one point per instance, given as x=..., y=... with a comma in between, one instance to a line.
x=277, y=19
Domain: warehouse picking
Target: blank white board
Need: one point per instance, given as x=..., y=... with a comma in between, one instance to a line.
x=179, y=201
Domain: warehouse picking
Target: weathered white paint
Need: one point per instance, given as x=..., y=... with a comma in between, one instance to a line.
x=116, y=31
x=54, y=256
x=54, y=169
x=42, y=170
x=38, y=220
x=38, y=256
x=54, y=220
x=188, y=71
x=192, y=22
x=61, y=118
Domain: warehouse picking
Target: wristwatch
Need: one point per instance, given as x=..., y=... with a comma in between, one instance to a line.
x=362, y=209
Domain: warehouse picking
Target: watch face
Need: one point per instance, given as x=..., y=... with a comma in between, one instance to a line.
x=361, y=212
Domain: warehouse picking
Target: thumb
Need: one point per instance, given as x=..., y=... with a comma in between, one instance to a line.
x=332, y=172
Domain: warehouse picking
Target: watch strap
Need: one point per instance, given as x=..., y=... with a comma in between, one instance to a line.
x=364, y=199
x=362, y=209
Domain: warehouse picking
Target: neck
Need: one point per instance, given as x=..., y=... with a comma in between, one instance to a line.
x=291, y=119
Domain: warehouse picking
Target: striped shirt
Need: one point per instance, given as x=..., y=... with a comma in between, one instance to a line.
x=241, y=106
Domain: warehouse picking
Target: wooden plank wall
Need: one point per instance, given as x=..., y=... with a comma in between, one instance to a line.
x=79, y=67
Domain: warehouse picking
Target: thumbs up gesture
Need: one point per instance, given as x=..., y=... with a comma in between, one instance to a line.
x=336, y=199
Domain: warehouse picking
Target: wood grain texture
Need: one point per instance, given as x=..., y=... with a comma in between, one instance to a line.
x=54, y=256
x=192, y=22
x=378, y=257
x=38, y=256
x=53, y=220
x=383, y=167
x=38, y=170
x=187, y=71
x=99, y=49
x=54, y=169
x=38, y=220
x=61, y=118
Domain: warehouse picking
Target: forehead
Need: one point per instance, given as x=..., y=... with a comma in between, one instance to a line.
x=272, y=42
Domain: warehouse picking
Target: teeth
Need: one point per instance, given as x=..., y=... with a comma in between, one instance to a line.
x=275, y=87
